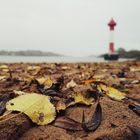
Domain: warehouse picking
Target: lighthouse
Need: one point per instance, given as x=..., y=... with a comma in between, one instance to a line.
x=111, y=25
x=112, y=55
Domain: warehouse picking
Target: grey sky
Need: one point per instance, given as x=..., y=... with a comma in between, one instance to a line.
x=72, y=27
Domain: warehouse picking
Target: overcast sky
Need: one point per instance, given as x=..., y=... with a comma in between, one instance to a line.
x=71, y=27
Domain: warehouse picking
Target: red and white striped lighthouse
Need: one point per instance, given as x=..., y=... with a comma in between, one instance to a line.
x=111, y=25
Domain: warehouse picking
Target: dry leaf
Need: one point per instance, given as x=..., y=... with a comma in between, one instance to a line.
x=135, y=108
x=37, y=107
x=71, y=84
x=135, y=69
x=68, y=124
x=99, y=76
x=91, y=125
x=112, y=92
x=115, y=94
x=81, y=98
x=102, y=87
x=33, y=69
x=135, y=130
x=4, y=68
x=95, y=121
x=19, y=92
x=2, y=77
x=89, y=81
x=45, y=81
x=60, y=106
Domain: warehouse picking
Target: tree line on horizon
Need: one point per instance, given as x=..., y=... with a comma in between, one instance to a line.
x=28, y=53
x=128, y=54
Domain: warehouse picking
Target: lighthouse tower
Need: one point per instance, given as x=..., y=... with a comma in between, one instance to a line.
x=112, y=55
x=111, y=25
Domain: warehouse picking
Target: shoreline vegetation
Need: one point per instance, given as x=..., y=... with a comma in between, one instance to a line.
x=132, y=54
x=28, y=53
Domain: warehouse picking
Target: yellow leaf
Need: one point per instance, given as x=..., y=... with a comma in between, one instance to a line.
x=44, y=81
x=134, y=69
x=2, y=77
x=4, y=68
x=98, y=76
x=37, y=107
x=115, y=94
x=111, y=92
x=82, y=99
x=33, y=69
x=102, y=87
x=71, y=84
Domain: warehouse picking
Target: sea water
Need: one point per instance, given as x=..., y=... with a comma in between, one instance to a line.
x=50, y=59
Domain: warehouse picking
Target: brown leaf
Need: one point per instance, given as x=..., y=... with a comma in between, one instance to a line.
x=135, y=108
x=136, y=131
x=60, y=106
x=4, y=98
x=95, y=121
x=134, y=99
x=68, y=124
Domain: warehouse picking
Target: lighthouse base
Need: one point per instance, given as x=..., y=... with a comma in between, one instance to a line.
x=111, y=57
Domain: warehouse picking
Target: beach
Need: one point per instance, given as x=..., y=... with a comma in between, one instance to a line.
x=117, y=118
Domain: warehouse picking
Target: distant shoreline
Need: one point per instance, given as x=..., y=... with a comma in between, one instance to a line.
x=28, y=53
x=132, y=54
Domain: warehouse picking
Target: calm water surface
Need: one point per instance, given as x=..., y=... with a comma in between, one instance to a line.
x=51, y=59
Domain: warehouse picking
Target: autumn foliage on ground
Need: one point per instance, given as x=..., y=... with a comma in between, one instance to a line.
x=70, y=101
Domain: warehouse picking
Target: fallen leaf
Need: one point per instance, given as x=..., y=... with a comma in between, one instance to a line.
x=82, y=98
x=4, y=98
x=54, y=90
x=37, y=107
x=64, y=67
x=115, y=94
x=2, y=77
x=112, y=92
x=71, y=84
x=45, y=81
x=135, y=82
x=95, y=121
x=134, y=69
x=68, y=124
x=136, y=131
x=102, y=87
x=60, y=106
x=135, y=99
x=87, y=97
x=89, y=81
x=19, y=92
x=135, y=108
x=33, y=69
x=4, y=68
x=100, y=76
